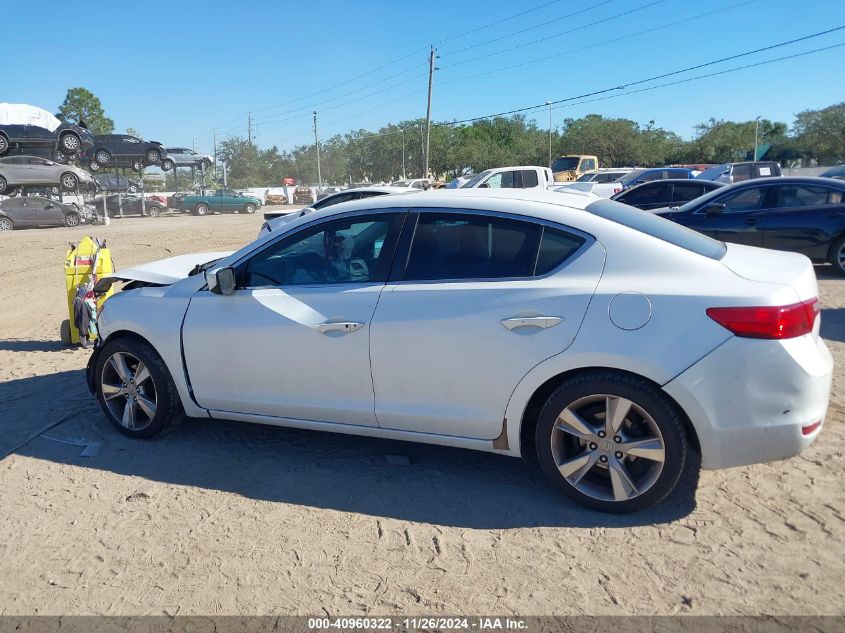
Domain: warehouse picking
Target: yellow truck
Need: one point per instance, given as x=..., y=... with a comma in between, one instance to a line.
x=571, y=168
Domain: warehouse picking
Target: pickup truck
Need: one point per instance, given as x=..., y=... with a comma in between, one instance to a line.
x=222, y=200
x=571, y=168
x=522, y=177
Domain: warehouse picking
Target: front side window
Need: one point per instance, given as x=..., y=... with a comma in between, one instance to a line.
x=501, y=180
x=348, y=250
x=745, y=200
x=741, y=172
x=455, y=246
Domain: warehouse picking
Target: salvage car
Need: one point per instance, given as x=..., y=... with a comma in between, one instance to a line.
x=184, y=157
x=665, y=193
x=803, y=215
x=25, y=171
x=612, y=346
x=116, y=182
x=123, y=149
x=129, y=204
x=28, y=127
x=222, y=201
x=31, y=211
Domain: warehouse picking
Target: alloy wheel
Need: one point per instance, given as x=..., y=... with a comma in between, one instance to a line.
x=69, y=181
x=70, y=143
x=3, y=184
x=607, y=447
x=128, y=391
x=840, y=257
x=71, y=219
x=103, y=157
x=4, y=145
x=5, y=224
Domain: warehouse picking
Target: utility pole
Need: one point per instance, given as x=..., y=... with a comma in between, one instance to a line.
x=756, y=130
x=214, y=132
x=249, y=128
x=549, y=103
x=403, y=154
x=431, y=70
x=317, y=145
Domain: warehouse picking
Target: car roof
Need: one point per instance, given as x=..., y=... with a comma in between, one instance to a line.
x=791, y=180
x=379, y=189
x=683, y=181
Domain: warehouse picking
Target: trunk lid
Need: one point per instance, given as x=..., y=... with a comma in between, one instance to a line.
x=774, y=267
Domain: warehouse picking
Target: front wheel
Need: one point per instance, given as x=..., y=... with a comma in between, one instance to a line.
x=153, y=156
x=611, y=441
x=72, y=219
x=136, y=166
x=70, y=181
x=4, y=145
x=201, y=209
x=135, y=389
x=837, y=256
x=166, y=164
x=154, y=212
x=102, y=157
x=69, y=143
x=132, y=189
x=3, y=184
x=94, y=166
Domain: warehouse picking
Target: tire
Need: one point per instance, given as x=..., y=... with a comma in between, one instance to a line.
x=154, y=211
x=166, y=164
x=72, y=219
x=102, y=157
x=70, y=181
x=94, y=166
x=4, y=144
x=69, y=143
x=584, y=457
x=837, y=256
x=201, y=209
x=153, y=156
x=64, y=333
x=249, y=208
x=132, y=189
x=120, y=363
x=136, y=166
x=6, y=224
x=3, y=184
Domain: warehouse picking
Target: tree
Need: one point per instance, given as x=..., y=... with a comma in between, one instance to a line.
x=80, y=104
x=820, y=134
x=727, y=141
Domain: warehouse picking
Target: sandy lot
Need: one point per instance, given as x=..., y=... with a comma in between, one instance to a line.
x=226, y=518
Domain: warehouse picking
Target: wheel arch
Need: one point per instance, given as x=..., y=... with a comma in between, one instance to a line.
x=531, y=411
x=92, y=361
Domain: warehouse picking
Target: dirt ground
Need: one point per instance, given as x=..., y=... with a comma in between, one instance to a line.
x=229, y=518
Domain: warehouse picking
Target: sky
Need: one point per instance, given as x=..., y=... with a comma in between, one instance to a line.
x=177, y=70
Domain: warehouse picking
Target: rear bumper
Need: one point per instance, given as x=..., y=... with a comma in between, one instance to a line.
x=748, y=400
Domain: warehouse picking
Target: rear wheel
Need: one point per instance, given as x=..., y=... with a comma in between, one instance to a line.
x=136, y=166
x=154, y=211
x=135, y=389
x=4, y=144
x=611, y=441
x=250, y=208
x=166, y=164
x=3, y=184
x=94, y=166
x=102, y=157
x=72, y=219
x=69, y=143
x=6, y=224
x=70, y=181
x=132, y=189
x=837, y=256
x=201, y=209
x=153, y=156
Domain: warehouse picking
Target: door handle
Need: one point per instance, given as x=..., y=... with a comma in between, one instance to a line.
x=542, y=322
x=339, y=326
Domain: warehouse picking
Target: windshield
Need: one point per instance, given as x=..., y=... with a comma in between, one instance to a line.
x=632, y=176
x=400, y=183
x=472, y=182
x=713, y=172
x=565, y=163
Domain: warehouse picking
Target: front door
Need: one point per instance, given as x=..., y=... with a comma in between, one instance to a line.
x=803, y=219
x=45, y=212
x=474, y=311
x=293, y=341
x=738, y=221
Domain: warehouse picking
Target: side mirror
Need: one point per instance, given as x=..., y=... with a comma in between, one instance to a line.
x=221, y=281
x=49, y=205
x=716, y=208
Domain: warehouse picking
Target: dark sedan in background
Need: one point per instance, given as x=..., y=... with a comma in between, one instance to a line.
x=123, y=150
x=131, y=205
x=665, y=193
x=67, y=138
x=31, y=211
x=116, y=182
x=803, y=215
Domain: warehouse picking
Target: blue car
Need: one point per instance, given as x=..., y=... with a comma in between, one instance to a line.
x=657, y=173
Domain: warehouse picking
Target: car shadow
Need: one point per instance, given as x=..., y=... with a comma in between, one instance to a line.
x=833, y=324
x=23, y=345
x=376, y=477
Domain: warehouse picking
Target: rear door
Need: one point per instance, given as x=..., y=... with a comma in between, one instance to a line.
x=15, y=208
x=651, y=195
x=803, y=219
x=683, y=192
x=471, y=308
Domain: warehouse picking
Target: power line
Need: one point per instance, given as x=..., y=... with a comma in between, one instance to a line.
x=500, y=21
x=654, y=78
x=530, y=28
x=598, y=44
x=556, y=35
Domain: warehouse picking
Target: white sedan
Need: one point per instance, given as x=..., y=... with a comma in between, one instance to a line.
x=608, y=344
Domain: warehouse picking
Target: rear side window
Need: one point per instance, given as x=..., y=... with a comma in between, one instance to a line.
x=684, y=192
x=741, y=172
x=658, y=227
x=555, y=248
x=645, y=194
x=529, y=178
x=454, y=246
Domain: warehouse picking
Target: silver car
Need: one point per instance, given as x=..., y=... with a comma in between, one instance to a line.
x=33, y=171
x=30, y=211
x=184, y=157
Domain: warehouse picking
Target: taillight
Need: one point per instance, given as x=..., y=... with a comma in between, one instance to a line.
x=616, y=190
x=770, y=322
